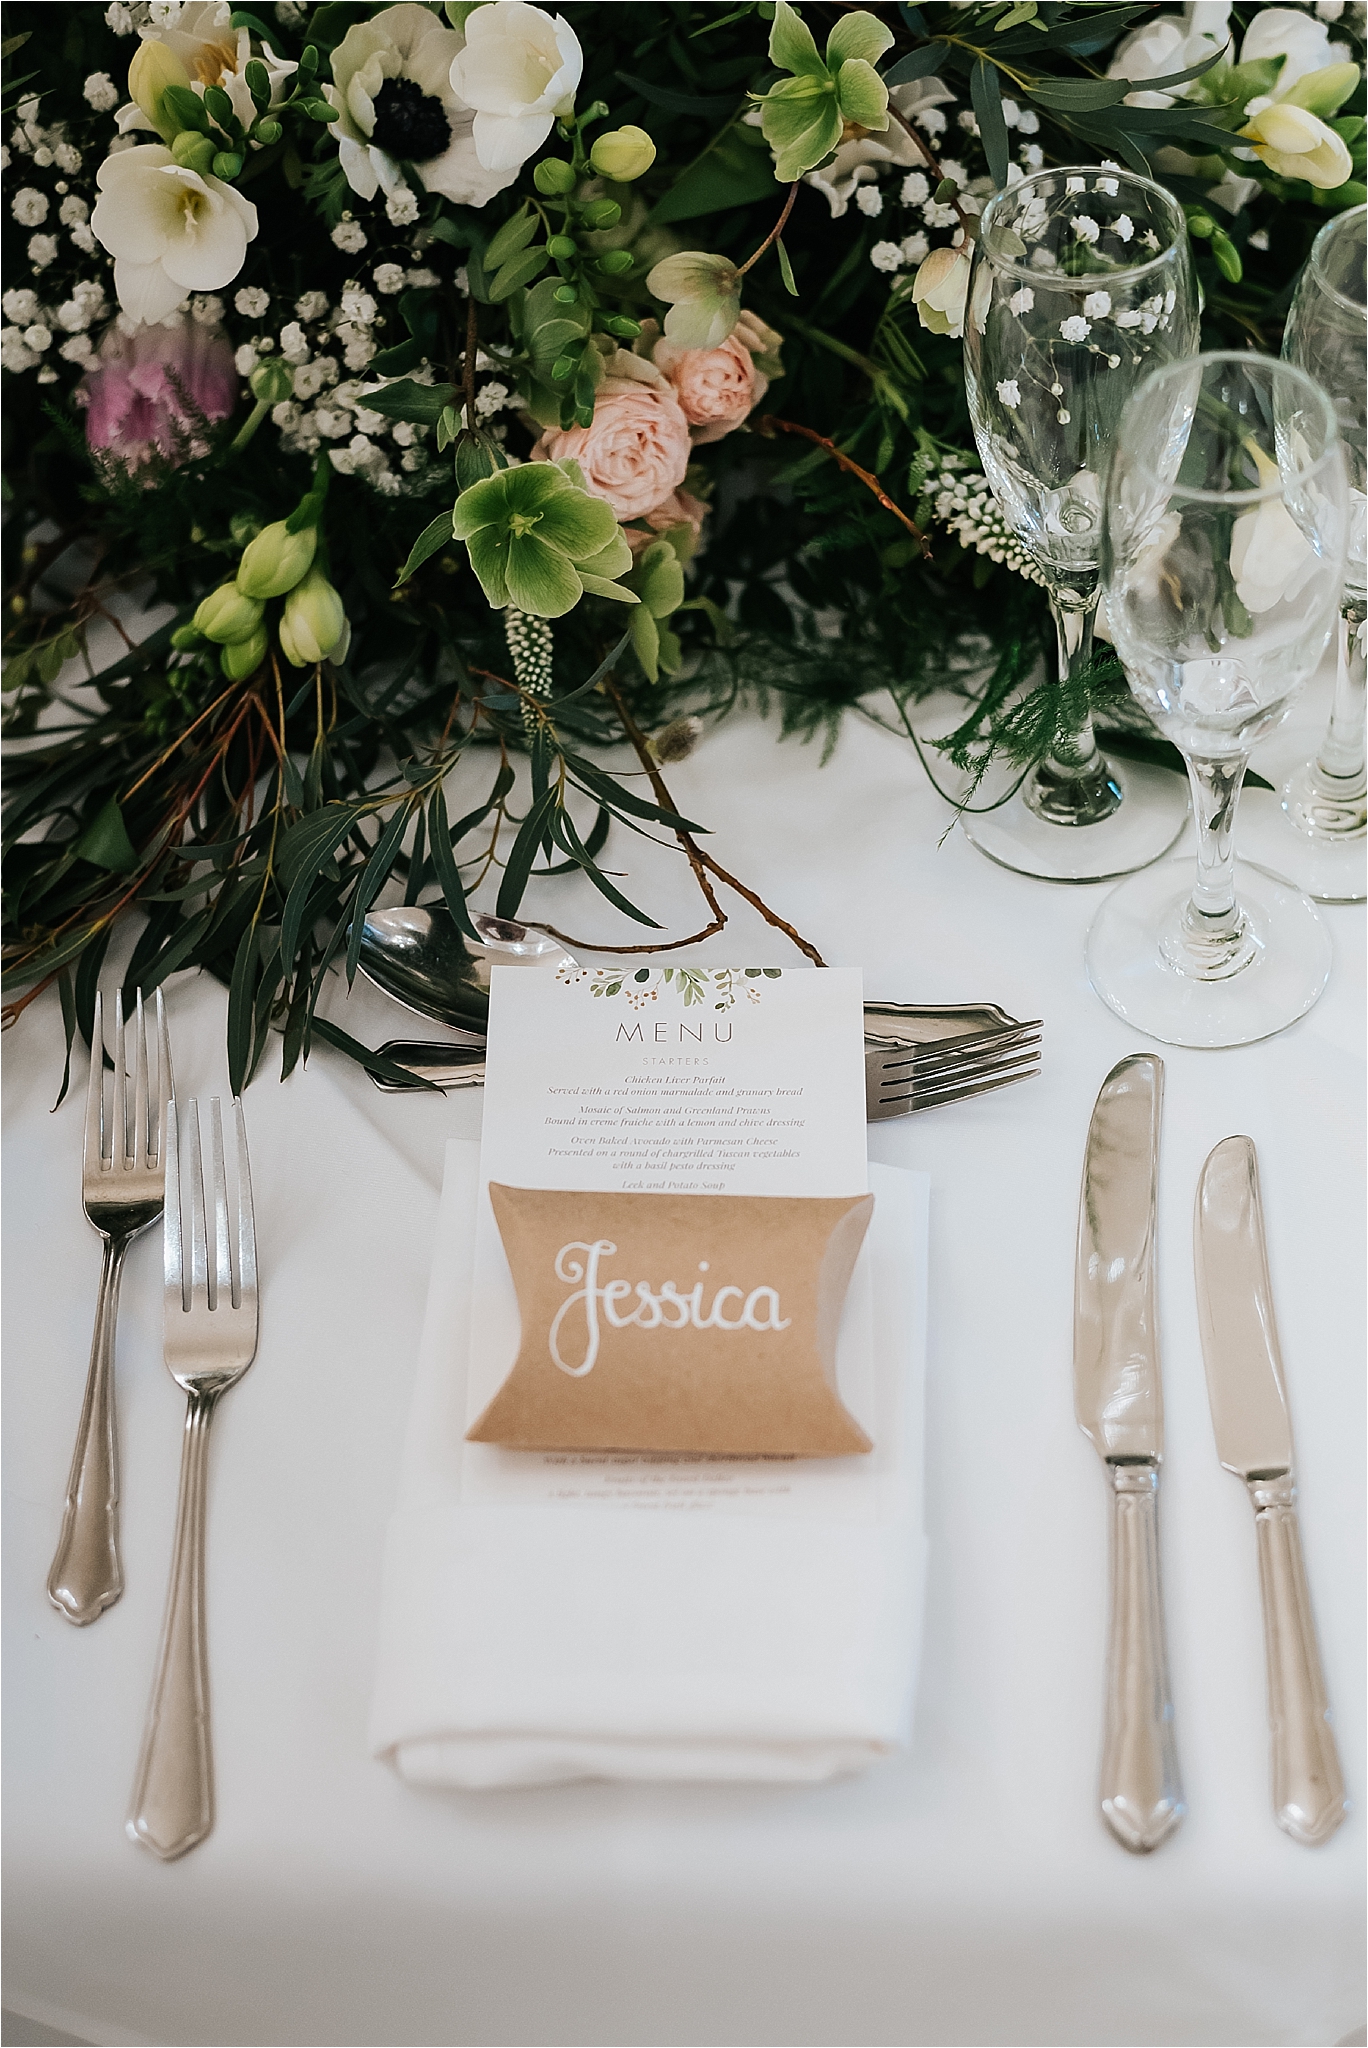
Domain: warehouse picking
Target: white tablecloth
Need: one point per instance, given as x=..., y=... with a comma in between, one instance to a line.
x=964, y=1893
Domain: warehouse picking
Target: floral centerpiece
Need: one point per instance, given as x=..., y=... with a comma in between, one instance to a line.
x=480, y=377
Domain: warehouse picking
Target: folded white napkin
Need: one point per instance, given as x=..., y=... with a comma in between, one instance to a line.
x=764, y=1635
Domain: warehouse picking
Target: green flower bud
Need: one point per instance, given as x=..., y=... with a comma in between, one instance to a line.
x=240, y=657
x=227, y=163
x=153, y=69
x=195, y=152
x=269, y=132
x=274, y=562
x=553, y=177
x=565, y=294
x=601, y=214
x=186, y=638
x=616, y=261
x=227, y=616
x=624, y=329
x=562, y=246
x=272, y=381
x=313, y=622
x=623, y=154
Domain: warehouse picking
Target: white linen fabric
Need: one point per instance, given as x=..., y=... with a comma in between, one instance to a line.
x=525, y=1645
x=961, y=1891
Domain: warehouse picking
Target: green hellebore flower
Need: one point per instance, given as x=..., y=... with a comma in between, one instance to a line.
x=659, y=582
x=539, y=540
x=154, y=68
x=705, y=297
x=623, y=154
x=274, y=562
x=227, y=616
x=804, y=117
x=314, y=623
x=240, y=657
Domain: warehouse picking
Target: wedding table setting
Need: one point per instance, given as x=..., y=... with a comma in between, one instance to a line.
x=582, y=1519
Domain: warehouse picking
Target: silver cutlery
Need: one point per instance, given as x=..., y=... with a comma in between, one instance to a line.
x=1248, y=1398
x=122, y=1181
x=210, y=1337
x=918, y=1055
x=1118, y=1400
x=416, y=954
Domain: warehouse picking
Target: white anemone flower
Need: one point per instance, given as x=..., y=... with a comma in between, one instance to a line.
x=392, y=86
x=213, y=52
x=519, y=70
x=169, y=230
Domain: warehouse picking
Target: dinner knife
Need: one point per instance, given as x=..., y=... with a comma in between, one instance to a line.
x=1118, y=1399
x=1254, y=1441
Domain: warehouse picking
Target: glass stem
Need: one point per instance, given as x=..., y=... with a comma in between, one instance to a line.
x=1341, y=758
x=1213, y=939
x=1073, y=785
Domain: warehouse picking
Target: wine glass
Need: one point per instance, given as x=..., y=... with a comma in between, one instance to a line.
x=1223, y=544
x=1082, y=282
x=1318, y=836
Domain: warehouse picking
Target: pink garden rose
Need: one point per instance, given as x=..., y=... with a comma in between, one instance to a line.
x=637, y=450
x=145, y=391
x=718, y=388
x=681, y=508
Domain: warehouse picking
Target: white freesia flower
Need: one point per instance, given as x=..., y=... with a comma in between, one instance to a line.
x=1299, y=39
x=940, y=291
x=1270, y=556
x=169, y=230
x=519, y=70
x=854, y=162
x=1297, y=144
x=1170, y=43
x=392, y=83
x=212, y=52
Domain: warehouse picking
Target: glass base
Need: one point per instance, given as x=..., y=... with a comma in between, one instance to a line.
x=1285, y=832
x=1133, y=936
x=1151, y=813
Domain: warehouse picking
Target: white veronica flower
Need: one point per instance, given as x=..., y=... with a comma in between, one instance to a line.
x=101, y=92
x=869, y=199
x=886, y=256
x=20, y=306
x=915, y=189
x=392, y=81
x=1097, y=305
x=29, y=206
x=42, y=250
x=169, y=230
x=519, y=70
x=252, y=301
x=1074, y=329
x=389, y=278
x=349, y=235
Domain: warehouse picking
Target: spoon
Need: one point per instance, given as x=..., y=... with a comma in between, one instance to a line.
x=416, y=954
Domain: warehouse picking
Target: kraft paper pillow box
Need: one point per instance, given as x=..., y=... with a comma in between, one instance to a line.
x=658, y=1322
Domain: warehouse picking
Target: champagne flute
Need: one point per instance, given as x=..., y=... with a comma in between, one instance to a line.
x=1082, y=282
x=1318, y=836
x=1222, y=556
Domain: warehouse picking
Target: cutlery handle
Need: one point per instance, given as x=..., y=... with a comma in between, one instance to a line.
x=1308, y=1784
x=86, y=1575
x=173, y=1795
x=1142, y=1795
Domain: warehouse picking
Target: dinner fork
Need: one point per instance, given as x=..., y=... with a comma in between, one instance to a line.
x=122, y=1193
x=917, y=1057
x=210, y=1336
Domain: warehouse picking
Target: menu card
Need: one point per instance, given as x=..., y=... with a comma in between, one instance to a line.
x=739, y=1081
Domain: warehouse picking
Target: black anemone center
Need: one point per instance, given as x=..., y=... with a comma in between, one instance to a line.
x=409, y=122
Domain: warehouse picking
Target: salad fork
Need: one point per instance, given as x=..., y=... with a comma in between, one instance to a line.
x=122, y=1181
x=210, y=1334
x=918, y=1056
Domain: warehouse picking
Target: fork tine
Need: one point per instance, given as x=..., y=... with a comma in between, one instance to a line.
x=142, y=1136
x=173, y=1257
x=118, y=1142
x=951, y=1051
x=908, y=1094
x=199, y=1250
x=94, y=1126
x=247, y=1273
x=166, y=1078
x=223, y=1266
x=984, y=1086
x=922, y=1071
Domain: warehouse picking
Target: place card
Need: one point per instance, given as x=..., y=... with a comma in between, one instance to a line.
x=670, y=1081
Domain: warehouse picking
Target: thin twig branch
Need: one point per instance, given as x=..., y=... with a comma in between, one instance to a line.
x=768, y=423
x=774, y=232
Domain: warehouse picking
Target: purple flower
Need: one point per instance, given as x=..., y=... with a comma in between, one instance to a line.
x=147, y=391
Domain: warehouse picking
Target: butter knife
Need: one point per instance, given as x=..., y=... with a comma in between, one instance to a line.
x=1254, y=1441
x=1118, y=1400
